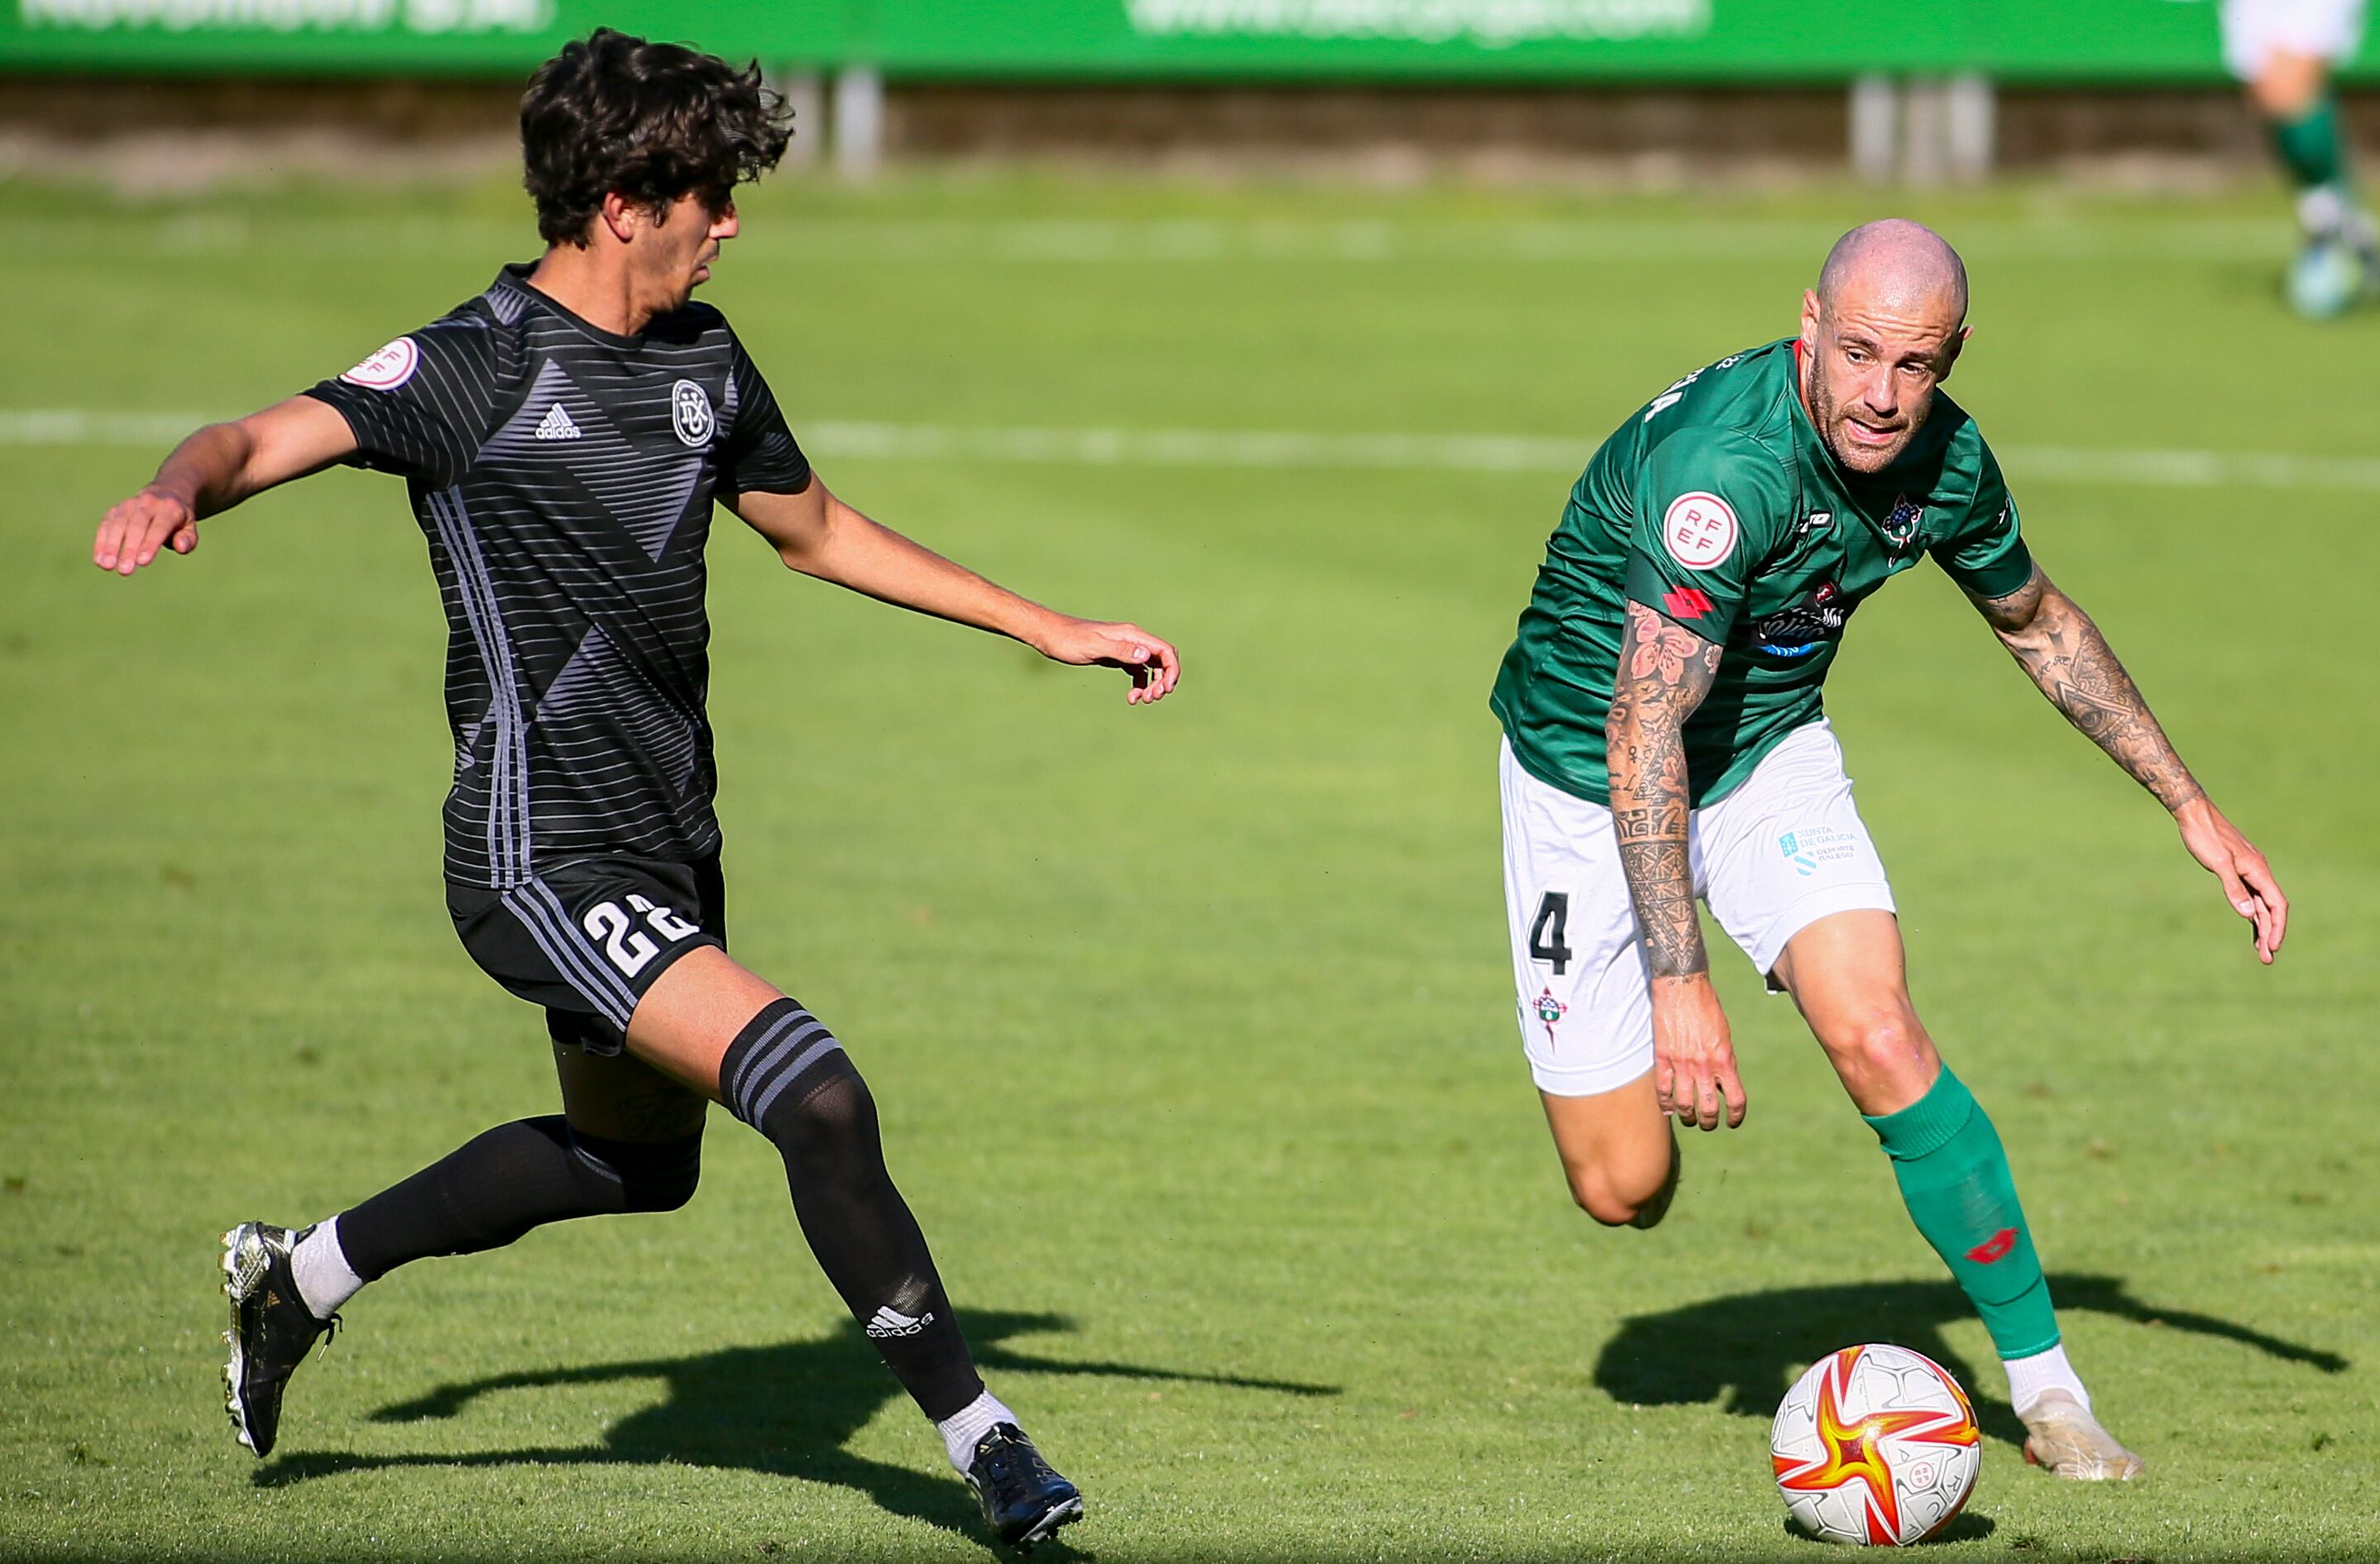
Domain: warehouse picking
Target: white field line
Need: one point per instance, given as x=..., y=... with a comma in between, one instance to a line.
x=1294, y=451
x=1093, y=241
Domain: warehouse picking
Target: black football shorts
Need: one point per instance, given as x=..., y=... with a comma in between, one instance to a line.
x=587, y=938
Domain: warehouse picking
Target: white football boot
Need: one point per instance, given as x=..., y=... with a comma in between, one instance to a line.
x=2065, y=1441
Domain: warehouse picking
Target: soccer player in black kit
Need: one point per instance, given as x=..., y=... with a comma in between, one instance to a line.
x=564, y=436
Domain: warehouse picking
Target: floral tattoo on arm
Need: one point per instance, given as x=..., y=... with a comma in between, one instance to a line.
x=1664, y=672
x=2063, y=653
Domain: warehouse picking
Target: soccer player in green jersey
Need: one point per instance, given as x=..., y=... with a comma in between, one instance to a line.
x=1665, y=741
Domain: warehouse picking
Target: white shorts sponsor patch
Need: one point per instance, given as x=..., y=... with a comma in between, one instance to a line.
x=388, y=368
x=1699, y=531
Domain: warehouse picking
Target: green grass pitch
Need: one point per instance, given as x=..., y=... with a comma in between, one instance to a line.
x=1192, y=1027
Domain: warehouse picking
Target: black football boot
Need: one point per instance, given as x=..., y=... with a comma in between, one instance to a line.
x=1023, y=1500
x=272, y=1330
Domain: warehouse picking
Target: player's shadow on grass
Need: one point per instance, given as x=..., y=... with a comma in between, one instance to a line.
x=786, y=1411
x=1749, y=1347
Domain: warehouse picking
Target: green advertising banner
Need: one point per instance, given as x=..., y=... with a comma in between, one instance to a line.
x=391, y=37
x=1482, y=41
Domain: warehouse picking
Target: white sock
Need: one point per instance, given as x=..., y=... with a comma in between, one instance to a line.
x=325, y=1281
x=2028, y=1377
x=970, y=1422
x=2323, y=212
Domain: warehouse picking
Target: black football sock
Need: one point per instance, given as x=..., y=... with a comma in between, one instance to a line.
x=514, y=1178
x=787, y=1077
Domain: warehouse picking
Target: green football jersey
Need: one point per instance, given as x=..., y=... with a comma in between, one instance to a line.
x=1717, y=506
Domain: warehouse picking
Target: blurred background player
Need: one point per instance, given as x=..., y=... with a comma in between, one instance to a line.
x=1664, y=741
x=564, y=435
x=2285, y=50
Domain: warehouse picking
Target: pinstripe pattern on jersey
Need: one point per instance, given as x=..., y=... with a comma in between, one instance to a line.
x=570, y=563
x=598, y=677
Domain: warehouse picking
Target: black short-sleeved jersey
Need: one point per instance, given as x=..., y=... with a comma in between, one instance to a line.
x=564, y=476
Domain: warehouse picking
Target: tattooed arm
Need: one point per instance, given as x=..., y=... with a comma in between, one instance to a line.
x=1664, y=672
x=2063, y=653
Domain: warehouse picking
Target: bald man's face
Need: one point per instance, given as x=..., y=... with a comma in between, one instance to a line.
x=1870, y=360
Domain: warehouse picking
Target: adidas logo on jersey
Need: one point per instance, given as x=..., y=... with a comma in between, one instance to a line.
x=556, y=425
x=892, y=1322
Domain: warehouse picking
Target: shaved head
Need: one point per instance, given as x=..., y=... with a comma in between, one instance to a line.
x=1898, y=260
x=1880, y=330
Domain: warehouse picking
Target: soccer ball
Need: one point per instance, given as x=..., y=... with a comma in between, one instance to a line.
x=1876, y=1445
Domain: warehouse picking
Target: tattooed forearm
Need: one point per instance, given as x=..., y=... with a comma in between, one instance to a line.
x=1664, y=672
x=2055, y=642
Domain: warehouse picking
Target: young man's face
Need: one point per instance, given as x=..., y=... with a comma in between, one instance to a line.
x=673, y=249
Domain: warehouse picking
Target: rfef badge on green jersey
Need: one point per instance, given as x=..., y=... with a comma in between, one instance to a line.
x=1700, y=531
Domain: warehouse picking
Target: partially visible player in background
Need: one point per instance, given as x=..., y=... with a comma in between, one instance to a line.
x=2285, y=50
x=564, y=435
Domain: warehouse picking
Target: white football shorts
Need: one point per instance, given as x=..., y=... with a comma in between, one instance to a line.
x=1782, y=851
x=2322, y=30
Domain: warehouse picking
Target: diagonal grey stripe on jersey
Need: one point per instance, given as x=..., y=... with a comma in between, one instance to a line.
x=732, y=1088
x=765, y=1065
x=793, y=1072
x=508, y=820
x=569, y=958
x=646, y=490
x=601, y=675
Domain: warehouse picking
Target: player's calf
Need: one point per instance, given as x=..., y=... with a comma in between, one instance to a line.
x=1619, y=1153
x=286, y=1289
x=787, y=1075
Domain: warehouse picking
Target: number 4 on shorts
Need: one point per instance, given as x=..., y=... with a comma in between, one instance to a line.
x=1546, y=935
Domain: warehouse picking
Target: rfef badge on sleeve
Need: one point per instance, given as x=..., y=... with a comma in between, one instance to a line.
x=1699, y=531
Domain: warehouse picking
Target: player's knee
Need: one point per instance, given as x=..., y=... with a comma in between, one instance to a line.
x=787, y=1077
x=1879, y=1046
x=1623, y=1193
x=651, y=1176
x=836, y=1114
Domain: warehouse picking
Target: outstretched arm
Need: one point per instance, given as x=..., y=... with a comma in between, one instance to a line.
x=2063, y=653
x=216, y=469
x=819, y=535
x=1665, y=670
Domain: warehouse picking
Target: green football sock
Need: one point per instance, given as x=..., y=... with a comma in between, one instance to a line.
x=2310, y=146
x=1954, y=1179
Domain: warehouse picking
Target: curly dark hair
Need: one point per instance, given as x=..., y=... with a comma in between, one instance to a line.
x=651, y=121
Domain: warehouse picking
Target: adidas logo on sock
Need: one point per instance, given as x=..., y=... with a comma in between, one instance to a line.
x=556, y=425
x=892, y=1322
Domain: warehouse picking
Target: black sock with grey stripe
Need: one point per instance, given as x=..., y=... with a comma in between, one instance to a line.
x=787, y=1077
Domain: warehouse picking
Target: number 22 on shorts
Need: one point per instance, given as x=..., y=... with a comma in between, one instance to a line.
x=631, y=949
